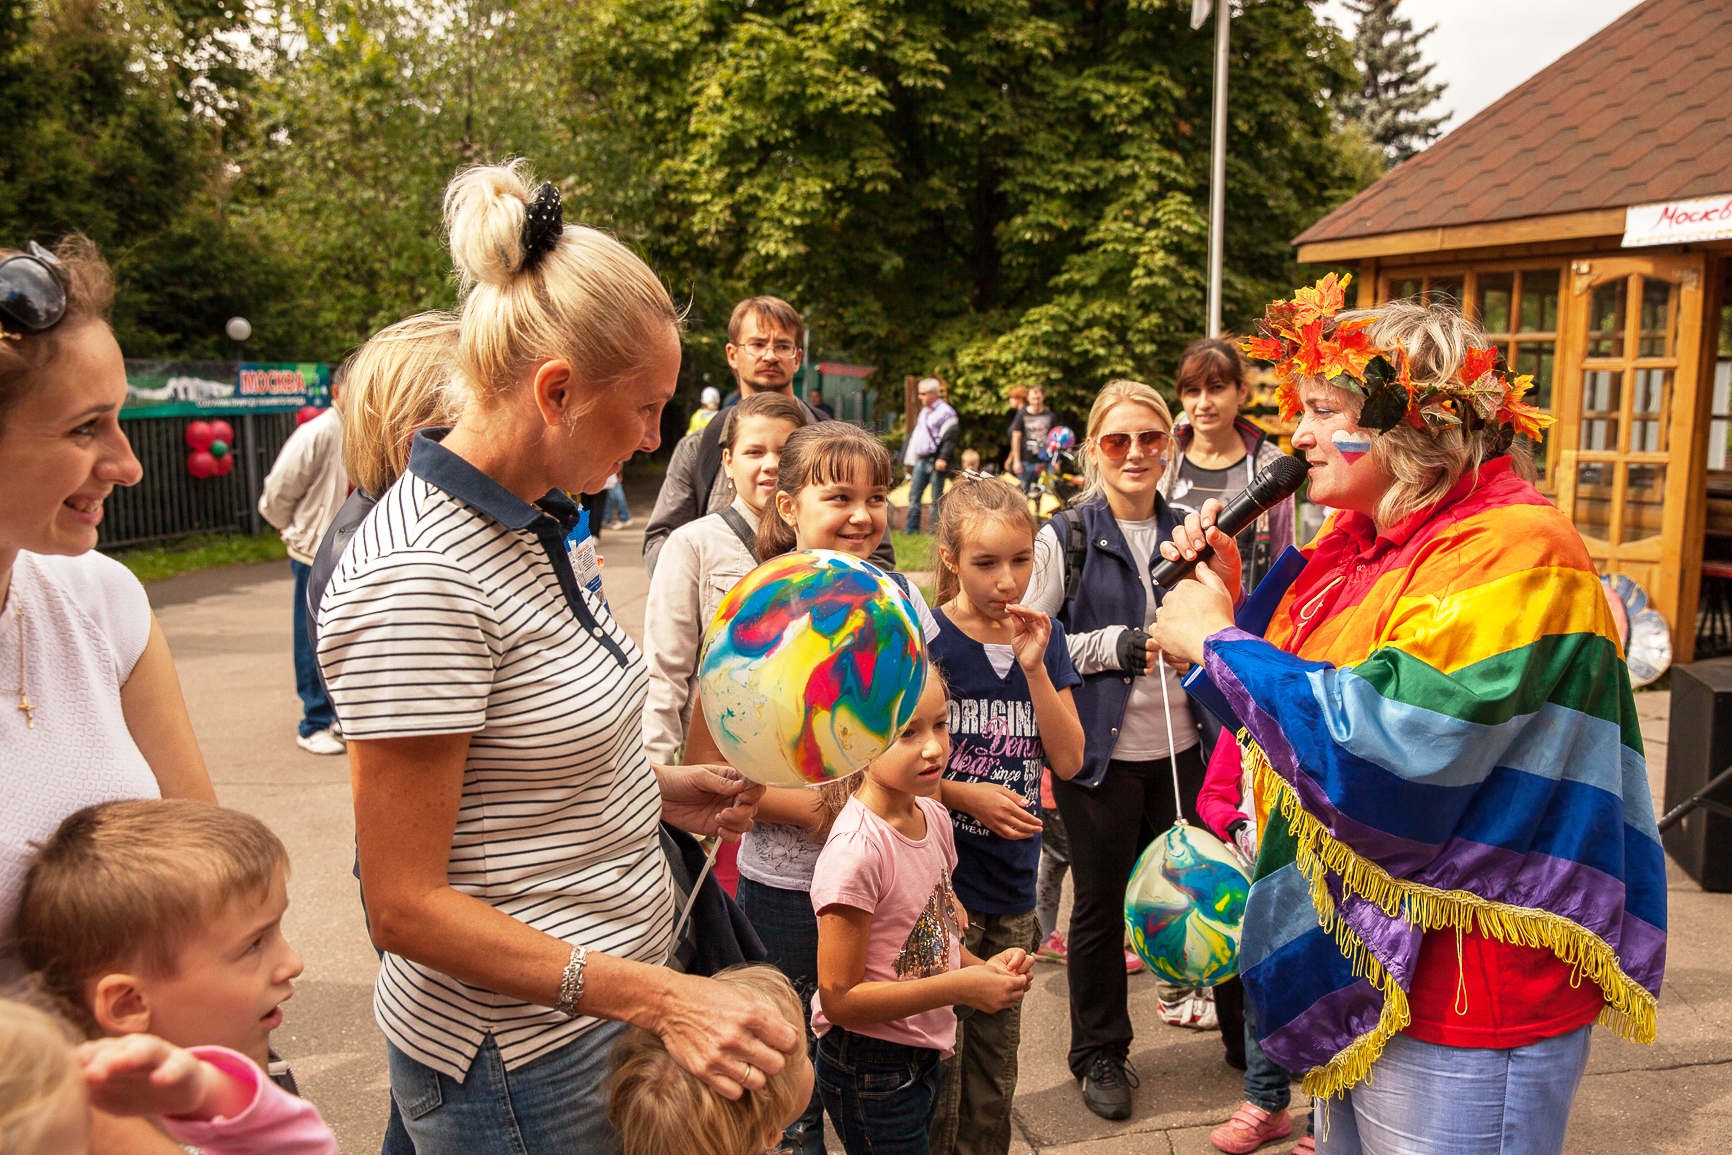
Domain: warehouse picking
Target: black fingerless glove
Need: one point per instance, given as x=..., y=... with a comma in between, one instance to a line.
x=1133, y=652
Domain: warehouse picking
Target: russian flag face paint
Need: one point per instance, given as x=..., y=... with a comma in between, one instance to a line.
x=1351, y=445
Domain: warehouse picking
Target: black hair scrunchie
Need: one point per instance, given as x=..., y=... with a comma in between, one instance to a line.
x=543, y=224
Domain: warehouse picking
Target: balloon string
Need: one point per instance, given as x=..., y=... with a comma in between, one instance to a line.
x=692, y=899
x=1172, y=754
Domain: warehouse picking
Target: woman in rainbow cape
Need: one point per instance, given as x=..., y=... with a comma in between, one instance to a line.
x=1460, y=871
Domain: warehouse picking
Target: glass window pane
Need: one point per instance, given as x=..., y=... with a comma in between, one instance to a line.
x=1643, y=490
x=1659, y=318
x=1606, y=320
x=1649, y=401
x=1495, y=292
x=1536, y=359
x=1539, y=301
x=1602, y=389
x=1726, y=331
x=1594, y=499
x=1723, y=389
x=1405, y=287
x=1445, y=291
x=1718, y=432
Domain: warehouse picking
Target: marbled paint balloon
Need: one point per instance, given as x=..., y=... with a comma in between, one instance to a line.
x=1184, y=906
x=811, y=668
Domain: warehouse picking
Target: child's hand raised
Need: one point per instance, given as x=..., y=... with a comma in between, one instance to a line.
x=1033, y=632
x=144, y=1075
x=990, y=989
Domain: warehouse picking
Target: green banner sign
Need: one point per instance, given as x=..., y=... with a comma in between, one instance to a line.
x=214, y=388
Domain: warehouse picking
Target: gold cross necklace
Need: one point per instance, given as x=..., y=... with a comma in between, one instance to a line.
x=25, y=705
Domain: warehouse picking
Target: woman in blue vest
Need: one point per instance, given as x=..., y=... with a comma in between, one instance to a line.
x=1092, y=572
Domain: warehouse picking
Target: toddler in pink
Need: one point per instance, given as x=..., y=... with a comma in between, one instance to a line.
x=869, y=865
x=210, y=1097
x=891, y=963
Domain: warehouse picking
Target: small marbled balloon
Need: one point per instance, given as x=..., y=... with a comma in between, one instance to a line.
x=1184, y=906
x=811, y=667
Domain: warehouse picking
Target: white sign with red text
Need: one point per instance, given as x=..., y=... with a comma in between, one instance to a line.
x=1673, y=222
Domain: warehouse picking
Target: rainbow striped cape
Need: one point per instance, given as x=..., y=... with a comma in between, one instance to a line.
x=1441, y=727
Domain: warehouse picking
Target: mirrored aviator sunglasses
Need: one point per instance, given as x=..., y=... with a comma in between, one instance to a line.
x=1118, y=445
x=31, y=295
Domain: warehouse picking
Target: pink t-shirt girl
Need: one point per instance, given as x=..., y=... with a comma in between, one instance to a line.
x=905, y=884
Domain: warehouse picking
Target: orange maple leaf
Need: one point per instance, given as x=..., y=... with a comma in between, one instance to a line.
x=1287, y=399
x=1349, y=352
x=1265, y=348
x=1307, y=359
x=1477, y=364
x=1327, y=298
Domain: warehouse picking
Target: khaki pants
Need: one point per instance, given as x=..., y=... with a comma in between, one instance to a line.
x=979, y=1080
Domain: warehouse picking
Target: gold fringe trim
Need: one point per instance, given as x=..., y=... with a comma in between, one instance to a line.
x=1630, y=1010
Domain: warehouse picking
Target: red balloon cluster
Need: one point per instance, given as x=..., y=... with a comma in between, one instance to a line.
x=211, y=443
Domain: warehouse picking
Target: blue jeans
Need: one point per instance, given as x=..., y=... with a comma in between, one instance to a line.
x=1266, y=1081
x=925, y=473
x=614, y=507
x=881, y=1096
x=785, y=921
x=316, y=710
x=1427, y=1099
x=556, y=1103
x=1030, y=470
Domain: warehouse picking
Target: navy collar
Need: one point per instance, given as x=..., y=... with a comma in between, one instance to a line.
x=549, y=519
x=437, y=465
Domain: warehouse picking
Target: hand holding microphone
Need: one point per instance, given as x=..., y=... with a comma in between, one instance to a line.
x=1192, y=611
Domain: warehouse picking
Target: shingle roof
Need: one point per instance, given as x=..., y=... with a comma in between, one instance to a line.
x=1640, y=112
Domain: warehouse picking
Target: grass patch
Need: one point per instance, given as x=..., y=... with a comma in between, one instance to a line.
x=201, y=551
x=913, y=550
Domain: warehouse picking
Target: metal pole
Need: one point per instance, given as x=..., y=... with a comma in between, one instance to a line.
x=1678, y=813
x=1218, y=168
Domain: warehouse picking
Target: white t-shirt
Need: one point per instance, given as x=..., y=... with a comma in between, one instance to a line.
x=782, y=854
x=86, y=620
x=1143, y=733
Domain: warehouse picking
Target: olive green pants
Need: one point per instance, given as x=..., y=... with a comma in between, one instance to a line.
x=979, y=1080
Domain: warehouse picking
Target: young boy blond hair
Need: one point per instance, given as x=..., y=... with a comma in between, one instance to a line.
x=660, y=1108
x=163, y=917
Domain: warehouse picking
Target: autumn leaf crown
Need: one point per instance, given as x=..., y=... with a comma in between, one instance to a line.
x=1302, y=340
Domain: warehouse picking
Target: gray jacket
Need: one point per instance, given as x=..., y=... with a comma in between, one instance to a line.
x=679, y=500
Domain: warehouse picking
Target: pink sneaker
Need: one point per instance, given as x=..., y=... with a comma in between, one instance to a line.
x=1053, y=949
x=1133, y=964
x=1250, y=1128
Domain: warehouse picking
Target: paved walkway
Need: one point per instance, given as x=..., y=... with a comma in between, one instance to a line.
x=230, y=634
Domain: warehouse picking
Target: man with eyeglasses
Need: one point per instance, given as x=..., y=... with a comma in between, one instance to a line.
x=765, y=340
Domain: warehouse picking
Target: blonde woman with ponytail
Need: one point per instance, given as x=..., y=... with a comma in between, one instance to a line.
x=506, y=814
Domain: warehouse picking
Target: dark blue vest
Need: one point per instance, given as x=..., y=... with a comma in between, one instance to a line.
x=1111, y=594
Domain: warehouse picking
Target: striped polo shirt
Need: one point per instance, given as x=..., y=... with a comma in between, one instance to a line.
x=455, y=611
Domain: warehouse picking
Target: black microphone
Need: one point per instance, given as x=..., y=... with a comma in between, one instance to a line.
x=1271, y=487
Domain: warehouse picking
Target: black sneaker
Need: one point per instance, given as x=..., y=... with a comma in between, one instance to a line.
x=1107, y=1087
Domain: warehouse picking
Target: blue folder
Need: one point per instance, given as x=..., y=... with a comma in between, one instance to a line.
x=1253, y=617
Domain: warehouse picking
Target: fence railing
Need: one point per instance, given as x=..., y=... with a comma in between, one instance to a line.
x=170, y=502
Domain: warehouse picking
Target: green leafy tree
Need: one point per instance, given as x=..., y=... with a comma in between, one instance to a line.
x=1005, y=191
x=115, y=116
x=364, y=112
x=1392, y=96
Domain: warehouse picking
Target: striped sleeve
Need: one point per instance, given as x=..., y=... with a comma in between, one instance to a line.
x=409, y=645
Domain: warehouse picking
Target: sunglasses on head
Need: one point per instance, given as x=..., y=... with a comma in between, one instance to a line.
x=31, y=295
x=1118, y=445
